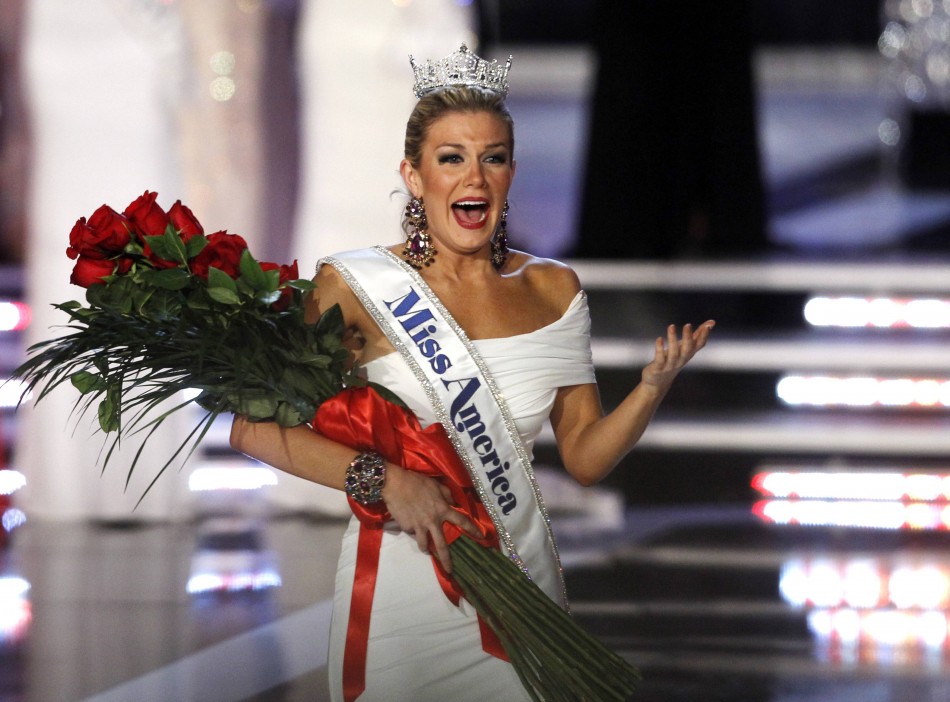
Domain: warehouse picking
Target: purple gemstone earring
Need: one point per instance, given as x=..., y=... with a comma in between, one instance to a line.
x=419, y=251
x=499, y=243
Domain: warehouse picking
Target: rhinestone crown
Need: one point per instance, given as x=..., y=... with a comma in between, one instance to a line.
x=462, y=68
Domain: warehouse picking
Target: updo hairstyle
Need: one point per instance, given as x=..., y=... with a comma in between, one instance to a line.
x=432, y=106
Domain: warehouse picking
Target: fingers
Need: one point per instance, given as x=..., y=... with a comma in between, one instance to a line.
x=675, y=350
x=659, y=354
x=673, y=345
x=702, y=333
x=439, y=543
x=694, y=339
x=670, y=351
x=465, y=524
x=442, y=550
x=421, y=505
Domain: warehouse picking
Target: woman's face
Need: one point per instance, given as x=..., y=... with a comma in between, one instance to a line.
x=463, y=176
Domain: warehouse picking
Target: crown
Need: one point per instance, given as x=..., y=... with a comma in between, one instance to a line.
x=462, y=68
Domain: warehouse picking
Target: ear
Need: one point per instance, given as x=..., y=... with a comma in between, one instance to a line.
x=410, y=176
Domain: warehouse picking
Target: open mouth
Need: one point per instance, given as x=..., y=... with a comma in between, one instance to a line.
x=471, y=214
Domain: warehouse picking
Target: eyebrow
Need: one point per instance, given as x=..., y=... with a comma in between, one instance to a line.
x=499, y=145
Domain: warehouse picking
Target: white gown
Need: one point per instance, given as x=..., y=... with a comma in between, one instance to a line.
x=422, y=648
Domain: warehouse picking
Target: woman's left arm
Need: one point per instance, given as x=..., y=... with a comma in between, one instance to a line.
x=592, y=443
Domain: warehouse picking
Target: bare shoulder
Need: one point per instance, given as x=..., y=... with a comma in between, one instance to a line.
x=553, y=280
x=331, y=289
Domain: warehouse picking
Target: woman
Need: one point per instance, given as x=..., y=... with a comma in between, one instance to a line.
x=488, y=342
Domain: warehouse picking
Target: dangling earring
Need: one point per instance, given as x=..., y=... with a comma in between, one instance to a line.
x=419, y=251
x=499, y=243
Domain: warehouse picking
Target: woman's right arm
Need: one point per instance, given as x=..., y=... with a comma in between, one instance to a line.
x=299, y=450
x=296, y=450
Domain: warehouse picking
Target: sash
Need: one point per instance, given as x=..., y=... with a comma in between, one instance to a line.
x=467, y=403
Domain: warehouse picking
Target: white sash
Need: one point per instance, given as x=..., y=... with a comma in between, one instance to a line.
x=466, y=401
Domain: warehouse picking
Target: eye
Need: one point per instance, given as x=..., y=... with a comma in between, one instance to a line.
x=450, y=158
x=500, y=157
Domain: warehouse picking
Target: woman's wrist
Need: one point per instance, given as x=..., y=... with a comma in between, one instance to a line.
x=365, y=478
x=652, y=392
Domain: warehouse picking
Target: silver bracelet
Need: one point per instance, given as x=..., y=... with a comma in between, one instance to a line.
x=365, y=477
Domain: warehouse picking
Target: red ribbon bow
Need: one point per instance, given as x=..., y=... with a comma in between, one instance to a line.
x=362, y=419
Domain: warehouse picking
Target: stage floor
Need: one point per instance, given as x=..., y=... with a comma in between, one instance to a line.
x=695, y=597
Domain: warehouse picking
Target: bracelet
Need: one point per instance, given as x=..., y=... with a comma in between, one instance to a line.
x=365, y=477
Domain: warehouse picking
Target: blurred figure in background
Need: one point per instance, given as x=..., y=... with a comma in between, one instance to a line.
x=673, y=162
x=103, y=82
x=351, y=60
x=207, y=102
x=14, y=149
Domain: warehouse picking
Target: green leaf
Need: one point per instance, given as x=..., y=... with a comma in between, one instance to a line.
x=168, y=246
x=256, y=278
x=331, y=323
x=317, y=360
x=195, y=245
x=117, y=296
x=168, y=278
x=75, y=310
x=340, y=355
x=109, y=409
x=219, y=279
x=133, y=248
x=288, y=416
x=224, y=296
x=222, y=288
x=163, y=305
x=198, y=300
x=255, y=406
x=300, y=378
x=86, y=382
x=331, y=343
x=208, y=400
x=141, y=297
x=301, y=284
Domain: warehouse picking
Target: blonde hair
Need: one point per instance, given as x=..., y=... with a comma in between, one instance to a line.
x=435, y=105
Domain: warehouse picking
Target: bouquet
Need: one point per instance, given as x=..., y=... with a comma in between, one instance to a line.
x=169, y=309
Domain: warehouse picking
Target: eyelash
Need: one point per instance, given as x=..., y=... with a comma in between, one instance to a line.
x=456, y=158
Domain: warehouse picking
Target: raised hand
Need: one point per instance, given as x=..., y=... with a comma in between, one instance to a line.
x=673, y=353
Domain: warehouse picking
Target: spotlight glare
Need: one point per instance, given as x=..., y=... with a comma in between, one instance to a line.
x=877, y=312
x=14, y=316
x=863, y=391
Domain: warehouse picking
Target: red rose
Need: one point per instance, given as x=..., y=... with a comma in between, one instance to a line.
x=181, y=218
x=123, y=265
x=81, y=232
x=286, y=273
x=90, y=271
x=105, y=235
x=184, y=221
x=223, y=252
x=146, y=216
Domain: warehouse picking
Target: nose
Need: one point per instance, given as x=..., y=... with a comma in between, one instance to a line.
x=475, y=176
